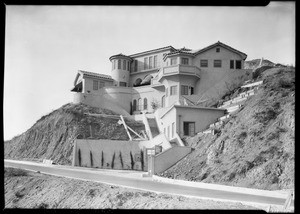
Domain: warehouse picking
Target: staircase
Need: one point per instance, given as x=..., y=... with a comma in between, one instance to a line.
x=153, y=126
x=234, y=104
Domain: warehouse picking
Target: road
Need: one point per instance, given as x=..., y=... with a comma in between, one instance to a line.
x=134, y=179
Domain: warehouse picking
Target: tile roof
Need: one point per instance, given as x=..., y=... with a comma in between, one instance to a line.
x=120, y=54
x=144, y=52
x=103, y=76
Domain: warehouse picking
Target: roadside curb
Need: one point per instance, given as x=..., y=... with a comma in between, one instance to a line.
x=221, y=187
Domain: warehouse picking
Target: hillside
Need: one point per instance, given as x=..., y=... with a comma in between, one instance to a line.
x=252, y=64
x=53, y=135
x=255, y=147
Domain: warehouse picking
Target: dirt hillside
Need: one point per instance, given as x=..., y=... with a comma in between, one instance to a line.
x=255, y=147
x=53, y=135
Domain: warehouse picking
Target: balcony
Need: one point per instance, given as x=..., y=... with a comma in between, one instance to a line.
x=179, y=70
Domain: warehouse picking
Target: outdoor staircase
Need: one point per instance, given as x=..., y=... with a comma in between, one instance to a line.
x=153, y=126
x=233, y=105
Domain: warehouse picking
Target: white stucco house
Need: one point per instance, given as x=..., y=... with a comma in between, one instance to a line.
x=172, y=86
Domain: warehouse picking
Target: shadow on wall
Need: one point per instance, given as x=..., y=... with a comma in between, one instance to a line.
x=110, y=154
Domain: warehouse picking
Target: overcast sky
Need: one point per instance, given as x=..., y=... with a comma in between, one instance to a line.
x=46, y=45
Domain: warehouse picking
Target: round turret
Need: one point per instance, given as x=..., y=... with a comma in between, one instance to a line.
x=120, y=69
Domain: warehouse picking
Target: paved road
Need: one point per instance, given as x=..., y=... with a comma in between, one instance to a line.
x=133, y=179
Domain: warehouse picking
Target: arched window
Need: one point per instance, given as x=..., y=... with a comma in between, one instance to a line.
x=145, y=104
x=134, y=105
x=139, y=104
x=119, y=64
x=137, y=82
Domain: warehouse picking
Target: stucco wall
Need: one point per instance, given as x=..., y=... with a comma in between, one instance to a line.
x=167, y=121
x=100, y=102
x=166, y=159
x=121, y=149
x=202, y=118
x=121, y=95
x=159, y=140
x=88, y=85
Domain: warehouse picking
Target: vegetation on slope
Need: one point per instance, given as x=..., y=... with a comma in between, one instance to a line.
x=255, y=147
x=52, y=136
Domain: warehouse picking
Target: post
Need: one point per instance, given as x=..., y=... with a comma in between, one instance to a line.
x=74, y=153
x=125, y=126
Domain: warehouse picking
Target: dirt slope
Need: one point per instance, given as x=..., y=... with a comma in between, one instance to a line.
x=252, y=64
x=254, y=148
x=53, y=135
x=25, y=189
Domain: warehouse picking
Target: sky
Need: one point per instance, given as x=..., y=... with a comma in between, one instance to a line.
x=45, y=46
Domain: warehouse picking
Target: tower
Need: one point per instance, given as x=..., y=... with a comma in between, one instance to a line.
x=120, y=69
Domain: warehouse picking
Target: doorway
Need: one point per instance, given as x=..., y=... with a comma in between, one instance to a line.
x=189, y=128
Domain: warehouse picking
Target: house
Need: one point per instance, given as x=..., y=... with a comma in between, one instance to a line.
x=173, y=86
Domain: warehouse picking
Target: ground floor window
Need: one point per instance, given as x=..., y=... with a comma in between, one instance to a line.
x=122, y=84
x=189, y=128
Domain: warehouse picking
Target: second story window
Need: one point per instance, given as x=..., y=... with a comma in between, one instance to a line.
x=150, y=62
x=217, y=63
x=95, y=85
x=119, y=64
x=173, y=90
x=102, y=84
x=128, y=66
x=185, y=61
x=184, y=90
x=238, y=64
x=124, y=64
x=192, y=90
x=218, y=50
x=146, y=63
x=231, y=64
x=155, y=62
x=135, y=65
x=173, y=61
x=203, y=63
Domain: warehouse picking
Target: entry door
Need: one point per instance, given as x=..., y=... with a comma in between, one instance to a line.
x=189, y=128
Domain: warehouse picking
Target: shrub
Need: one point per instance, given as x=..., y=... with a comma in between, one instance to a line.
x=131, y=160
x=19, y=194
x=102, y=159
x=113, y=160
x=91, y=159
x=79, y=157
x=266, y=115
x=121, y=159
x=284, y=83
x=43, y=206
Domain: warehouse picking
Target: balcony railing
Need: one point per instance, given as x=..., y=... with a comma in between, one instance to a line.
x=181, y=69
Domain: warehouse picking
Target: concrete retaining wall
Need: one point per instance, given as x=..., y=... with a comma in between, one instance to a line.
x=168, y=158
x=160, y=140
x=110, y=154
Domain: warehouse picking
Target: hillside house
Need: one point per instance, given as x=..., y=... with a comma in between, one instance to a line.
x=173, y=86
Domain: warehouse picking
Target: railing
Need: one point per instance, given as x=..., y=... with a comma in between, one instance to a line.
x=181, y=69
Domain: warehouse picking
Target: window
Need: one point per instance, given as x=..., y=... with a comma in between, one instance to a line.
x=134, y=105
x=184, y=90
x=185, y=61
x=173, y=90
x=163, y=100
x=135, y=65
x=203, y=63
x=102, y=84
x=155, y=62
x=238, y=64
x=145, y=104
x=123, y=84
x=217, y=63
x=139, y=104
x=231, y=64
x=124, y=65
x=146, y=63
x=166, y=92
x=128, y=66
x=192, y=90
x=113, y=64
x=150, y=62
x=173, y=129
x=218, y=50
x=173, y=61
x=95, y=85
x=189, y=128
x=119, y=64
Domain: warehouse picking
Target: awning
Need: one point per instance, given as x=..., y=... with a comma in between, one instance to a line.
x=78, y=87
